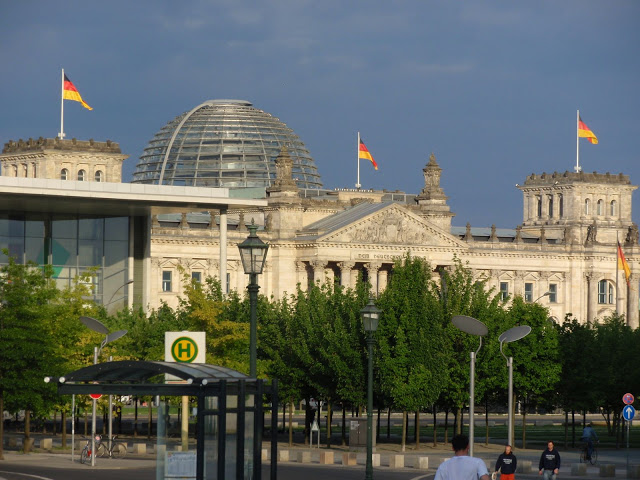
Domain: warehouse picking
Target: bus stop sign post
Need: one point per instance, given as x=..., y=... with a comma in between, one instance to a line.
x=628, y=412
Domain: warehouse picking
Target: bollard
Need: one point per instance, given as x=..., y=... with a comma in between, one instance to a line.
x=396, y=461
x=326, y=458
x=422, y=463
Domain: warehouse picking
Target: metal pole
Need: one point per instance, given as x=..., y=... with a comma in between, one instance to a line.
x=510, y=414
x=110, y=413
x=73, y=424
x=471, y=402
x=93, y=417
x=253, y=304
x=369, y=468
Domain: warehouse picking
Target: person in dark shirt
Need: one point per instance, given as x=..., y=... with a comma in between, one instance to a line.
x=507, y=463
x=549, y=462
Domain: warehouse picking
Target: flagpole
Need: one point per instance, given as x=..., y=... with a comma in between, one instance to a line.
x=358, y=160
x=578, y=141
x=617, y=278
x=61, y=134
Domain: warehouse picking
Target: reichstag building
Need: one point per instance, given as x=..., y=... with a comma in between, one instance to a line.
x=240, y=164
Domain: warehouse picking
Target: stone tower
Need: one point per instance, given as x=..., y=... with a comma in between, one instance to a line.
x=52, y=158
x=432, y=201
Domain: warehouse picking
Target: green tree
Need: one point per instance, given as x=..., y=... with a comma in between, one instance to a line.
x=411, y=343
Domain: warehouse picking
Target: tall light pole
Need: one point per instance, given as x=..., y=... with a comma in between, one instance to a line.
x=473, y=327
x=97, y=326
x=511, y=335
x=128, y=282
x=253, y=252
x=545, y=294
x=370, y=319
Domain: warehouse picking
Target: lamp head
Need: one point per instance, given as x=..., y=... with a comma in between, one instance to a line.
x=370, y=316
x=253, y=251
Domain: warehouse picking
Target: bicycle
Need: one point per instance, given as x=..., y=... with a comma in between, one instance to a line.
x=584, y=456
x=117, y=450
x=85, y=455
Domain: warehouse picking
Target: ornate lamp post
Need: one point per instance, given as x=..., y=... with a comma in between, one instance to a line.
x=97, y=326
x=370, y=319
x=253, y=252
x=473, y=327
x=511, y=335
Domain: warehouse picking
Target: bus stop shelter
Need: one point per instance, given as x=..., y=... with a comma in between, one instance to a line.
x=230, y=413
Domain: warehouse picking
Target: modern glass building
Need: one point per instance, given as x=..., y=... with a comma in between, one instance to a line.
x=72, y=245
x=224, y=143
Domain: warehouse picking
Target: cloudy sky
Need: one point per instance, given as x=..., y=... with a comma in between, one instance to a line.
x=490, y=87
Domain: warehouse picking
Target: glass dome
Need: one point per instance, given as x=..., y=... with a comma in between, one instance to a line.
x=224, y=143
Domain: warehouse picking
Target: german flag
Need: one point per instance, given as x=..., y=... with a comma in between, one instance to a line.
x=364, y=153
x=584, y=131
x=70, y=92
x=623, y=265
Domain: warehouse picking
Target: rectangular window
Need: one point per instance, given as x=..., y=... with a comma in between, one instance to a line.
x=553, y=293
x=166, y=281
x=528, y=292
x=197, y=276
x=602, y=292
x=228, y=283
x=504, y=290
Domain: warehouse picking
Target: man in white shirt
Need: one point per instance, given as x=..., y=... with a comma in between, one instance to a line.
x=461, y=466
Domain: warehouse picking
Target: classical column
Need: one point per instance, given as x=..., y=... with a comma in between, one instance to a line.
x=632, y=302
x=301, y=275
x=223, y=249
x=383, y=277
x=372, y=269
x=345, y=273
x=518, y=283
x=318, y=270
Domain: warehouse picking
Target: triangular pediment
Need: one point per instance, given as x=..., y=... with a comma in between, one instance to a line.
x=393, y=225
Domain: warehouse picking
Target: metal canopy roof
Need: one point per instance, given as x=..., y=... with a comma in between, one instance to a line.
x=141, y=371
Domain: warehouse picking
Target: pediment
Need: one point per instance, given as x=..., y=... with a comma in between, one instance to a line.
x=393, y=225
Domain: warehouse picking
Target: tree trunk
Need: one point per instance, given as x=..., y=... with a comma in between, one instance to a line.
x=135, y=418
x=86, y=423
x=27, y=442
x=566, y=429
x=573, y=428
x=389, y=424
x=435, y=427
x=458, y=421
x=344, y=425
x=55, y=423
x=290, y=423
x=378, y=427
x=2, y=428
x=63, y=418
x=524, y=427
x=446, y=426
x=284, y=420
x=404, y=430
x=486, y=418
x=417, y=428
x=329, y=423
x=150, y=419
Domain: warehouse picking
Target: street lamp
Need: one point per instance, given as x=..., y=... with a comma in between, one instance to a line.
x=97, y=326
x=370, y=319
x=473, y=327
x=253, y=252
x=129, y=282
x=511, y=335
x=545, y=294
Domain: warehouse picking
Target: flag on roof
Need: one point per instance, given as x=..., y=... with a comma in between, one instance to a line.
x=70, y=92
x=364, y=153
x=584, y=131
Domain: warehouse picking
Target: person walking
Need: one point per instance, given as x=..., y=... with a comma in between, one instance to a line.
x=461, y=466
x=507, y=463
x=549, y=462
x=588, y=434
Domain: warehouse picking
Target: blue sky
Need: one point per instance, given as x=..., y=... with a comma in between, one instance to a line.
x=491, y=87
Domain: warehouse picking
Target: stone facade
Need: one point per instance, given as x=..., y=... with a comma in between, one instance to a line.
x=563, y=254
x=53, y=158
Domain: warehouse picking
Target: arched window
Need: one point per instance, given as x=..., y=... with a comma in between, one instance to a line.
x=15, y=170
x=25, y=170
x=600, y=207
x=98, y=176
x=560, y=206
x=605, y=292
x=587, y=205
x=550, y=206
x=33, y=170
x=64, y=174
x=81, y=175
x=539, y=206
x=613, y=206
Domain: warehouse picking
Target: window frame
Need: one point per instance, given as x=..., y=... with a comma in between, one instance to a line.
x=553, y=293
x=528, y=294
x=167, y=283
x=81, y=175
x=504, y=292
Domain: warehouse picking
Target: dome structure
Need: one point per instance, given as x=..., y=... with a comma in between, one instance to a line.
x=224, y=143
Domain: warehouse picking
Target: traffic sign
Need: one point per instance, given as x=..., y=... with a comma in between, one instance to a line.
x=95, y=396
x=628, y=413
x=628, y=399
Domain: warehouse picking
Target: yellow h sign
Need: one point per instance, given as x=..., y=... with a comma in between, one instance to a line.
x=184, y=350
